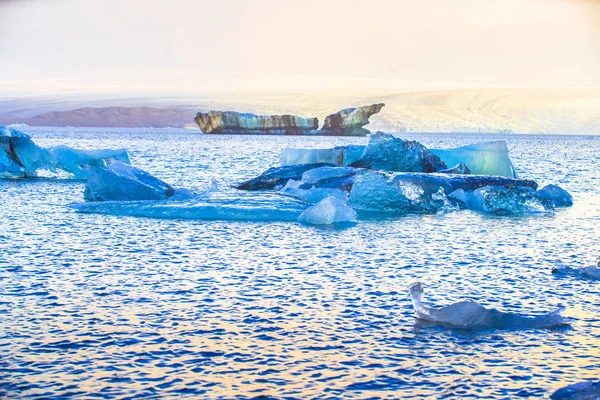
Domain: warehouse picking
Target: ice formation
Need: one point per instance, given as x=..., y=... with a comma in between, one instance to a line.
x=490, y=158
x=350, y=121
x=471, y=315
x=588, y=390
x=328, y=211
x=237, y=206
x=21, y=158
x=120, y=181
x=231, y=122
x=503, y=200
x=342, y=155
x=558, y=195
x=386, y=152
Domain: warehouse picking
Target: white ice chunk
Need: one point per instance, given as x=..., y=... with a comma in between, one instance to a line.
x=328, y=211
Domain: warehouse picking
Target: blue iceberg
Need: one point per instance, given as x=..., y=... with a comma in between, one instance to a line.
x=471, y=315
x=393, y=154
x=21, y=158
x=490, y=158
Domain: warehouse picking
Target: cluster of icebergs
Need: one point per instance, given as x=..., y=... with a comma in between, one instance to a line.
x=388, y=176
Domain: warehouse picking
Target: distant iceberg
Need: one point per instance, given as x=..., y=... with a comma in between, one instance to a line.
x=21, y=158
x=471, y=315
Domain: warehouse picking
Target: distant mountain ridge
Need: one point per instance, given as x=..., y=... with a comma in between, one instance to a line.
x=113, y=117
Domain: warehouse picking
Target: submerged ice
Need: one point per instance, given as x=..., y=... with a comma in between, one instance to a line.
x=471, y=315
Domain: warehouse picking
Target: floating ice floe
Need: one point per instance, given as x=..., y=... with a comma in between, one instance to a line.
x=588, y=390
x=471, y=315
x=21, y=158
x=235, y=206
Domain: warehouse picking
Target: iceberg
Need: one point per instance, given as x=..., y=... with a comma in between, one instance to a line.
x=503, y=200
x=21, y=158
x=120, y=181
x=341, y=155
x=490, y=158
x=386, y=152
x=558, y=195
x=587, y=390
x=471, y=315
x=231, y=206
x=328, y=211
x=231, y=122
x=314, y=194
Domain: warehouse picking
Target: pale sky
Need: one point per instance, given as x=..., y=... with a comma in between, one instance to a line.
x=191, y=46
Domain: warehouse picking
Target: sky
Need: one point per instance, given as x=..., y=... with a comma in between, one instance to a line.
x=197, y=46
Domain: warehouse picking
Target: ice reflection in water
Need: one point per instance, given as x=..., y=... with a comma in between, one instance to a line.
x=120, y=306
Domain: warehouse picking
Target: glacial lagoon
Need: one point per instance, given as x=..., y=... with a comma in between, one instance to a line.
x=109, y=305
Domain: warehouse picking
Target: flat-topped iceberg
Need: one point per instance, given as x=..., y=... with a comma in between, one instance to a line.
x=231, y=122
x=490, y=158
x=503, y=200
x=20, y=157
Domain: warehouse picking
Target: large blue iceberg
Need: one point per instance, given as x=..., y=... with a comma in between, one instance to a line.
x=471, y=315
x=393, y=154
x=21, y=158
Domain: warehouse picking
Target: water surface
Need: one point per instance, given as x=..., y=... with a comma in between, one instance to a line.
x=109, y=306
